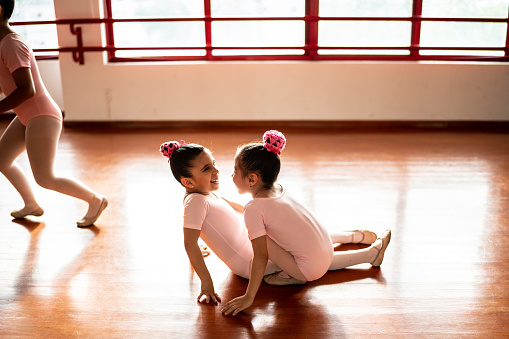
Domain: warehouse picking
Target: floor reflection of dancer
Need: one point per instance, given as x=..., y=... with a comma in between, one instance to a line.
x=36, y=127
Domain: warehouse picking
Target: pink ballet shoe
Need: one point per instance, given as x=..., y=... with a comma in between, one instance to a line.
x=21, y=214
x=85, y=222
x=386, y=238
x=368, y=237
x=276, y=279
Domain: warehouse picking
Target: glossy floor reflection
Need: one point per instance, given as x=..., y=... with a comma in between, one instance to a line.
x=445, y=195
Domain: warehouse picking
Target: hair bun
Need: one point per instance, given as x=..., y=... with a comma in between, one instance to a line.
x=169, y=147
x=274, y=141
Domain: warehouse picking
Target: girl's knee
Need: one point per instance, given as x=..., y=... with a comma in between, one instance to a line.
x=44, y=180
x=5, y=165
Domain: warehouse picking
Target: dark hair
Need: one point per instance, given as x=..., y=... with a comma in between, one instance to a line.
x=8, y=7
x=254, y=158
x=182, y=158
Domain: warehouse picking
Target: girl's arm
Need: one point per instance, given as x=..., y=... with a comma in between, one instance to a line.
x=260, y=259
x=196, y=258
x=24, y=90
x=236, y=206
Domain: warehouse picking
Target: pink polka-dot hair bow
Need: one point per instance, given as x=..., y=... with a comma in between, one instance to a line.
x=169, y=147
x=274, y=141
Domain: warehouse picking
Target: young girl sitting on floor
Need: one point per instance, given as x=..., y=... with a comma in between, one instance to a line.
x=215, y=220
x=282, y=230
x=208, y=216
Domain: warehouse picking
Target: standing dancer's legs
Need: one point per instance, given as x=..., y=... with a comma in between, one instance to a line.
x=42, y=134
x=12, y=144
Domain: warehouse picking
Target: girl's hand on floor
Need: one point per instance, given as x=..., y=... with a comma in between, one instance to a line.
x=207, y=290
x=236, y=305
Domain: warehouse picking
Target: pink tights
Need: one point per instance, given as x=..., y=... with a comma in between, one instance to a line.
x=40, y=139
x=341, y=259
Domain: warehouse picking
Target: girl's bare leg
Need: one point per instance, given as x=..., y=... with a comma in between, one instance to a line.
x=42, y=134
x=12, y=144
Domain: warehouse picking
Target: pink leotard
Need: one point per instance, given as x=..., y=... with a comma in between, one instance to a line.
x=295, y=229
x=221, y=229
x=15, y=53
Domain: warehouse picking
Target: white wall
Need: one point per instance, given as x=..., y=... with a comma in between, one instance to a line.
x=50, y=73
x=272, y=90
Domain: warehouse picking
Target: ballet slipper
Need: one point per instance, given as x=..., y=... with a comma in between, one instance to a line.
x=85, y=222
x=368, y=237
x=386, y=238
x=278, y=280
x=22, y=214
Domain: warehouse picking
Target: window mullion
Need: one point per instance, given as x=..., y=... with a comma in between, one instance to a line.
x=312, y=10
x=110, y=39
x=507, y=38
x=416, y=28
x=208, y=29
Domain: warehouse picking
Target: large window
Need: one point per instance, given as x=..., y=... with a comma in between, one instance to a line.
x=308, y=29
x=280, y=29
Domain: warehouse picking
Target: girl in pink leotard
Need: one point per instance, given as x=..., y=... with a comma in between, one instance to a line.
x=36, y=127
x=208, y=216
x=284, y=231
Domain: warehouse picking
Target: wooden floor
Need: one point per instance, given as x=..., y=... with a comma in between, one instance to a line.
x=445, y=195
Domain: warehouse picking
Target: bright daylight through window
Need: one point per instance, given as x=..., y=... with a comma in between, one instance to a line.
x=38, y=36
x=283, y=29
x=286, y=29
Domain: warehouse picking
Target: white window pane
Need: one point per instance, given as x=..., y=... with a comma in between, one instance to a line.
x=124, y=9
x=258, y=8
x=257, y=33
x=463, y=34
x=159, y=34
x=462, y=53
x=364, y=33
x=39, y=36
x=33, y=10
x=363, y=52
x=159, y=53
x=223, y=52
x=465, y=9
x=371, y=8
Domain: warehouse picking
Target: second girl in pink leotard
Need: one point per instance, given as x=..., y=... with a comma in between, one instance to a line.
x=283, y=230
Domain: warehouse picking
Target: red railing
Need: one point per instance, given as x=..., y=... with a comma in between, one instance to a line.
x=310, y=49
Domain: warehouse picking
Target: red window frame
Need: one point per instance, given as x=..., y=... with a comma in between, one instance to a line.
x=310, y=48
